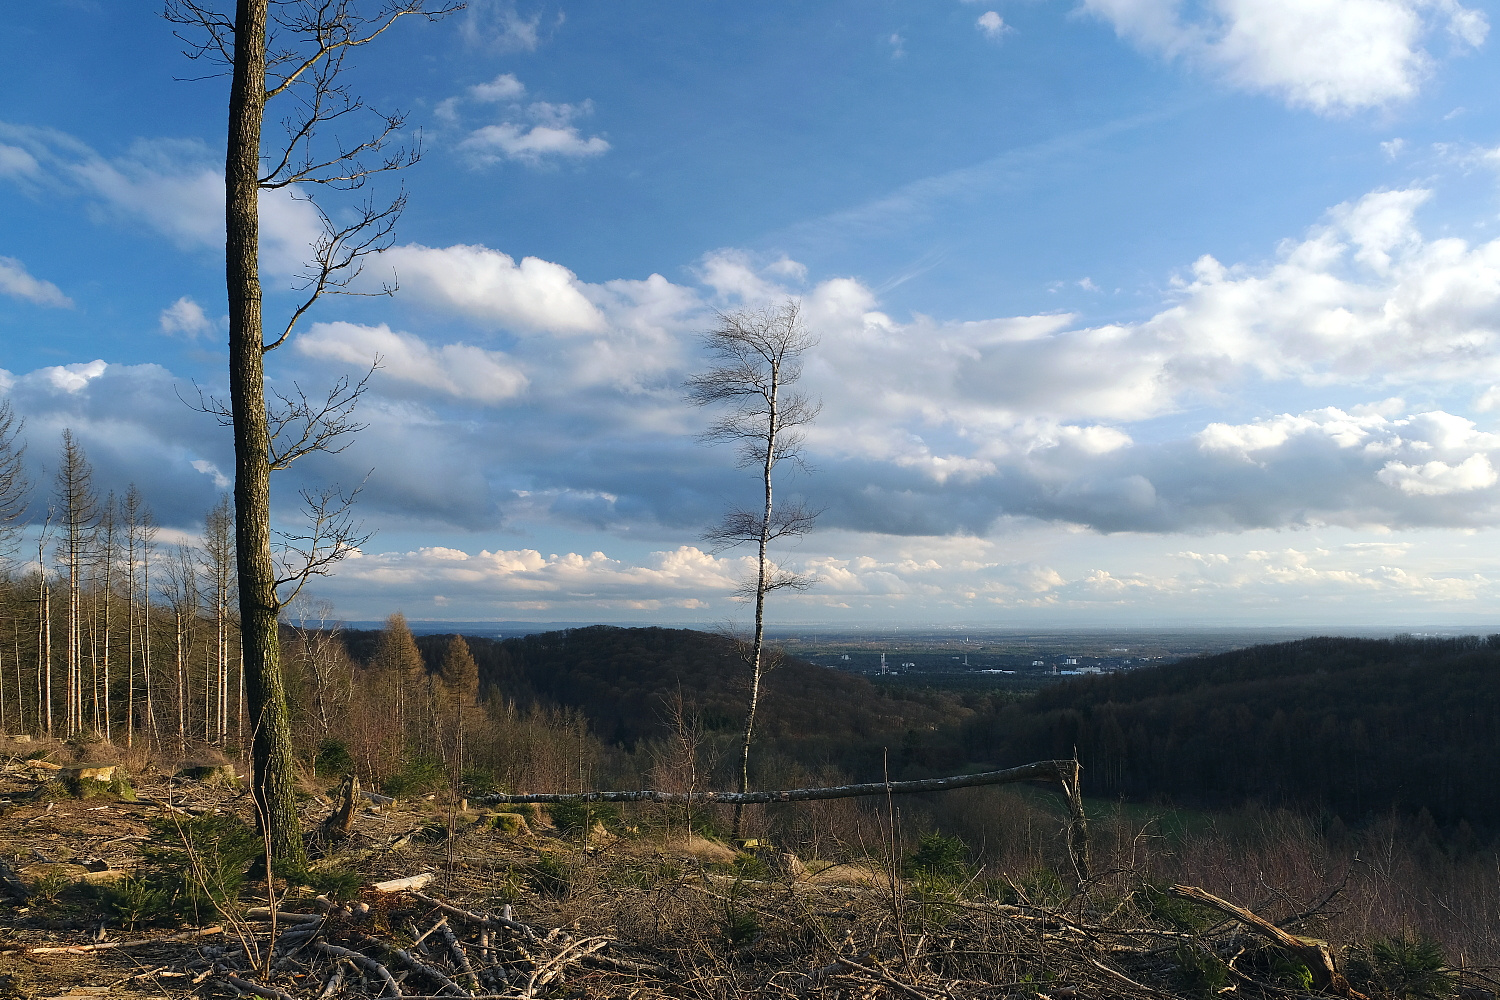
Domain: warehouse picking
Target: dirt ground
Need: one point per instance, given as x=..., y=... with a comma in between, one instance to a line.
x=437, y=897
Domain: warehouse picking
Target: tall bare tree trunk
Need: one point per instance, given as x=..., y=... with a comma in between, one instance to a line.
x=272, y=771
x=148, y=532
x=110, y=554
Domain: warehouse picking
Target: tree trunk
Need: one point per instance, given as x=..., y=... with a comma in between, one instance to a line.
x=271, y=748
x=757, y=655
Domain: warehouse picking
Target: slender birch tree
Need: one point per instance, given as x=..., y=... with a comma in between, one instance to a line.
x=758, y=359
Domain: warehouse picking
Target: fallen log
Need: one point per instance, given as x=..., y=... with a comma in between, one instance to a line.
x=84, y=949
x=1311, y=952
x=1065, y=772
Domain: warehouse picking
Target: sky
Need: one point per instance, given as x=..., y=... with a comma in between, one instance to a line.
x=1128, y=312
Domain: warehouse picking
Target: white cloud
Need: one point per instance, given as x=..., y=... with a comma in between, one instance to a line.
x=898, y=46
x=72, y=378
x=992, y=25
x=1439, y=478
x=531, y=145
x=171, y=186
x=1328, y=55
x=504, y=87
x=497, y=25
x=675, y=578
x=185, y=317
x=549, y=134
x=457, y=370
x=17, y=162
x=211, y=470
x=490, y=286
x=16, y=281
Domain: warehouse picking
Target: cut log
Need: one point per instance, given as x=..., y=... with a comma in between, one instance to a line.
x=404, y=884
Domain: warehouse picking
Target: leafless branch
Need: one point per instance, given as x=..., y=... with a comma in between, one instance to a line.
x=216, y=41
x=740, y=526
x=211, y=405
x=338, y=257
x=330, y=535
x=299, y=425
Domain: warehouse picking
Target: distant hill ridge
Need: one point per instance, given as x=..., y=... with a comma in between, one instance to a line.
x=1358, y=726
x=622, y=679
x=1351, y=725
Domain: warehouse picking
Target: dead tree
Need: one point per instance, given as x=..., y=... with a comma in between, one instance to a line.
x=294, y=51
x=15, y=488
x=79, y=506
x=758, y=355
x=180, y=589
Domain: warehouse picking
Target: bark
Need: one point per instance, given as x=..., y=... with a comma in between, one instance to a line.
x=271, y=758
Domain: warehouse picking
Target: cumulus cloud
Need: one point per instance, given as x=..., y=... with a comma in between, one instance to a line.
x=528, y=580
x=992, y=25
x=457, y=370
x=1328, y=55
x=504, y=87
x=133, y=427
x=534, y=295
x=185, y=318
x=19, y=283
x=545, y=133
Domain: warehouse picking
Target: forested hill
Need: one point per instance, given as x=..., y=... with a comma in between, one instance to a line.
x=1358, y=726
x=623, y=679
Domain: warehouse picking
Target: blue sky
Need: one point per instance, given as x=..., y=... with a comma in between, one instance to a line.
x=1130, y=311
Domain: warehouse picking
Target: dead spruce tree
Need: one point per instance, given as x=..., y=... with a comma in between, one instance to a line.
x=293, y=52
x=758, y=359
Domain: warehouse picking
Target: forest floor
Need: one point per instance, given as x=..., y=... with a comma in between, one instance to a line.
x=506, y=904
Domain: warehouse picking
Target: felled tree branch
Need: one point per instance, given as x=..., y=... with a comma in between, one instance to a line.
x=1064, y=772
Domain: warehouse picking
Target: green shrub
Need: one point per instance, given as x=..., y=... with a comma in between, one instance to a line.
x=739, y=927
x=940, y=860
x=421, y=774
x=1200, y=971
x=1407, y=967
x=337, y=883
x=194, y=867
x=333, y=758
x=137, y=901
x=549, y=876
x=1036, y=887
x=572, y=817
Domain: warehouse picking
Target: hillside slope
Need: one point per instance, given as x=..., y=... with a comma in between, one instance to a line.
x=622, y=679
x=1358, y=726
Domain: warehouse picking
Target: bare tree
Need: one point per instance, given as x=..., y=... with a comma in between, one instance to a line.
x=758, y=355
x=44, y=629
x=15, y=488
x=180, y=589
x=293, y=50
x=218, y=566
x=107, y=556
x=325, y=659
x=79, y=506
